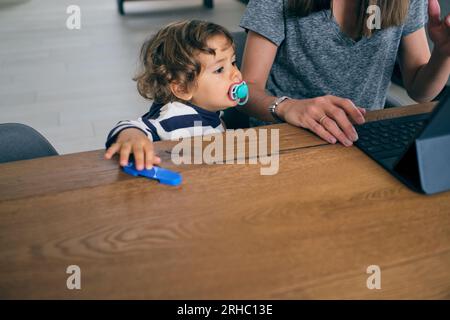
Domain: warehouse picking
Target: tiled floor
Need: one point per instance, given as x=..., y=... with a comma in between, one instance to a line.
x=74, y=85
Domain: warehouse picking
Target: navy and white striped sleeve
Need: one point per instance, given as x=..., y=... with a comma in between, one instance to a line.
x=142, y=124
x=170, y=122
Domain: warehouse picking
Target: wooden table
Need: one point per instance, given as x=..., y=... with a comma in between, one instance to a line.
x=227, y=232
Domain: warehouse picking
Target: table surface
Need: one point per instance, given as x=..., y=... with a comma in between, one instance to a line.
x=227, y=232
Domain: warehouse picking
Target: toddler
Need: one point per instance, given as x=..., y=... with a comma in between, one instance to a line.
x=189, y=71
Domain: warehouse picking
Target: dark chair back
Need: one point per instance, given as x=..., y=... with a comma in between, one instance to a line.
x=21, y=142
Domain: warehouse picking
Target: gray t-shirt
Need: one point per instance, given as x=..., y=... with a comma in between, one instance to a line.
x=315, y=58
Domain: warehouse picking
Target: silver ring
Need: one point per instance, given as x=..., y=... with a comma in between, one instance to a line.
x=323, y=118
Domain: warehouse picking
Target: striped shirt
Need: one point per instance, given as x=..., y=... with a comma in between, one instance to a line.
x=171, y=121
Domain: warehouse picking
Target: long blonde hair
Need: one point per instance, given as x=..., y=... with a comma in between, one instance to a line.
x=393, y=12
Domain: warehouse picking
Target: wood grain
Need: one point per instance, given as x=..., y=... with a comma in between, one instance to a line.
x=226, y=233
x=88, y=169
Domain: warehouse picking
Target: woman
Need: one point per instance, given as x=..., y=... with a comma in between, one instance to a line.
x=327, y=57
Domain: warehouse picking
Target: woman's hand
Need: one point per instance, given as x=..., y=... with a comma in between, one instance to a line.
x=439, y=30
x=328, y=117
x=136, y=142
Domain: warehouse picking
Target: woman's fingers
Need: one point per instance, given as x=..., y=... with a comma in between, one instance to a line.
x=315, y=127
x=329, y=117
x=349, y=107
x=362, y=110
x=342, y=112
x=339, y=117
x=335, y=130
x=447, y=24
x=343, y=123
x=434, y=12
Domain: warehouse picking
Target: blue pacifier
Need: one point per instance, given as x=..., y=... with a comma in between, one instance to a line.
x=239, y=93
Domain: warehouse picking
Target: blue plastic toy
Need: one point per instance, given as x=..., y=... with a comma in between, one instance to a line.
x=164, y=176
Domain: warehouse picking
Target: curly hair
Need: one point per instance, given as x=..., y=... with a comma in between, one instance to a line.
x=171, y=56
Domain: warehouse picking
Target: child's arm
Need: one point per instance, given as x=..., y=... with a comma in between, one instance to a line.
x=132, y=137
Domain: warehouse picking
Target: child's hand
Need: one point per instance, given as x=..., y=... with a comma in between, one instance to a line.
x=136, y=142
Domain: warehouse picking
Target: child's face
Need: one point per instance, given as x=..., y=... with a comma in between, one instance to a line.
x=218, y=73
